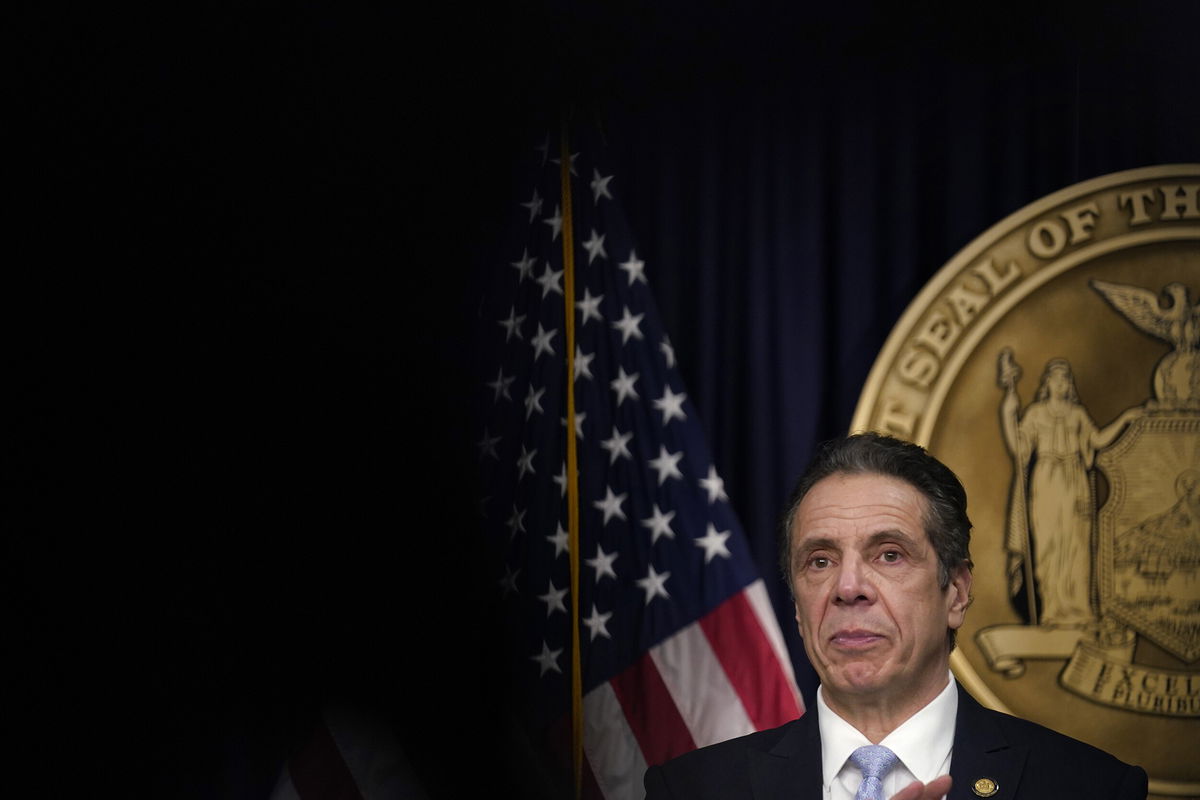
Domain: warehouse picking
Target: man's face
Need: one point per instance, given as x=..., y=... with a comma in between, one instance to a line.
x=868, y=603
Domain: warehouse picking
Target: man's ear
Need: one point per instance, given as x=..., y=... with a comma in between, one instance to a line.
x=960, y=595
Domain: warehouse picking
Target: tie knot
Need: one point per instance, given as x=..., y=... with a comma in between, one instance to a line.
x=874, y=760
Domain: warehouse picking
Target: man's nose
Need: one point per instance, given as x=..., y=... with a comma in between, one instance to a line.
x=854, y=583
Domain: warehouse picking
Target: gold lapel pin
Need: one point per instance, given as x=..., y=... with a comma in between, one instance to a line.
x=985, y=787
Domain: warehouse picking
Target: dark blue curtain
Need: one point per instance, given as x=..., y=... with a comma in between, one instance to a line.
x=247, y=250
x=790, y=211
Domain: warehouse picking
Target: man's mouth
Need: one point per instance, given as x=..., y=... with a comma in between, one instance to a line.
x=854, y=638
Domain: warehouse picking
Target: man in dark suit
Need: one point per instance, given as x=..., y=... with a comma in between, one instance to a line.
x=875, y=547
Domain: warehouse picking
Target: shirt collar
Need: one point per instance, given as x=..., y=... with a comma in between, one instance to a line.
x=922, y=742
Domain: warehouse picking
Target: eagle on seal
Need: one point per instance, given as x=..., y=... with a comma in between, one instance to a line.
x=1172, y=317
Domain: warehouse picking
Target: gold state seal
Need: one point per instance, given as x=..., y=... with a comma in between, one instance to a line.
x=1054, y=364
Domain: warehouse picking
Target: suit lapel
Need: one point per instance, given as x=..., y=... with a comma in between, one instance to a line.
x=982, y=751
x=791, y=770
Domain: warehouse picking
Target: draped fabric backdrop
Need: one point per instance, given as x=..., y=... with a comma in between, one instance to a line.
x=792, y=200
x=248, y=259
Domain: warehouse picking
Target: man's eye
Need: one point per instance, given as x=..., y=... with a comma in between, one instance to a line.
x=818, y=562
x=891, y=556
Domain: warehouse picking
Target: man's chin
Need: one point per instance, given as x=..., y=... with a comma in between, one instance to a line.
x=858, y=680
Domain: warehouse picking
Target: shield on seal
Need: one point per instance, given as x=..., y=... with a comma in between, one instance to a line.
x=1149, y=531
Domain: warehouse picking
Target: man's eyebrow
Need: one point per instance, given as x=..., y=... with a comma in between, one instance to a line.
x=900, y=537
x=816, y=543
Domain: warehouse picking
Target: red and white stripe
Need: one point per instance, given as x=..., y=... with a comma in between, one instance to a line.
x=726, y=675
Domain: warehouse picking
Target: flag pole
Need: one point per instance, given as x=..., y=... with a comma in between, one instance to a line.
x=572, y=468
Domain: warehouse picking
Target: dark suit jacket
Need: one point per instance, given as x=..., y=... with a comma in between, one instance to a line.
x=1024, y=759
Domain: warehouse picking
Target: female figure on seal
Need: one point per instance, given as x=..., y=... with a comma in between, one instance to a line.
x=1053, y=444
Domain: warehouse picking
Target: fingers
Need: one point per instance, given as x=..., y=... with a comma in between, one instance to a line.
x=934, y=790
x=937, y=788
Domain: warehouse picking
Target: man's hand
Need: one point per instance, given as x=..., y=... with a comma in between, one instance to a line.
x=936, y=789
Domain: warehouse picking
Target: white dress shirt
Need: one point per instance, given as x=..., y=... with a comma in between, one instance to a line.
x=923, y=743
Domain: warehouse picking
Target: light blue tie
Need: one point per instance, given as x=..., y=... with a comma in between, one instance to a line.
x=875, y=761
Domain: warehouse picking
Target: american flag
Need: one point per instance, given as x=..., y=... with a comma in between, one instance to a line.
x=679, y=645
